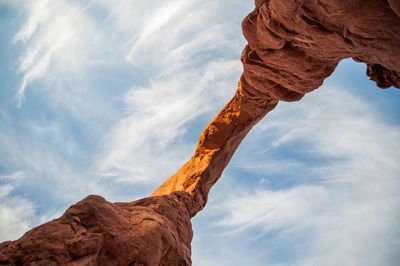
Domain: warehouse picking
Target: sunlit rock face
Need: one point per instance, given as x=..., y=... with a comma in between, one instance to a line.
x=292, y=47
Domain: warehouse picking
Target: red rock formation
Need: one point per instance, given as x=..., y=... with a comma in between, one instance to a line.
x=150, y=231
x=293, y=46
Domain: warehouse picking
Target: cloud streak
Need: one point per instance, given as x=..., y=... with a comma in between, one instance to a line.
x=50, y=29
x=15, y=211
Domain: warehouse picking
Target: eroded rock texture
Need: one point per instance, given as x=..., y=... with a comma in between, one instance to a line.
x=293, y=46
x=149, y=231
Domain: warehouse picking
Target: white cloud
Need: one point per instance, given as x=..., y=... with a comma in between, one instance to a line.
x=18, y=213
x=17, y=176
x=171, y=44
x=156, y=22
x=15, y=212
x=147, y=141
x=48, y=155
x=58, y=40
x=15, y=215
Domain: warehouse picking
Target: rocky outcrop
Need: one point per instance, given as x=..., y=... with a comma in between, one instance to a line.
x=292, y=47
x=150, y=231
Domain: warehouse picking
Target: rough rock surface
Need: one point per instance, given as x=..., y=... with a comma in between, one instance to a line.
x=293, y=46
x=149, y=231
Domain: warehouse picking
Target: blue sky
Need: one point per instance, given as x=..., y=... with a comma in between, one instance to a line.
x=109, y=97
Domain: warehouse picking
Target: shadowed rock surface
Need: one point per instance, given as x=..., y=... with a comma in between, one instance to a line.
x=292, y=47
x=149, y=231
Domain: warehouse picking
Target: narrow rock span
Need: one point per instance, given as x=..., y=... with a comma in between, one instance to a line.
x=292, y=47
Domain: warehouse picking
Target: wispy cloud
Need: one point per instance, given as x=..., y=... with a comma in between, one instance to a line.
x=158, y=21
x=185, y=85
x=157, y=119
x=51, y=31
x=15, y=211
